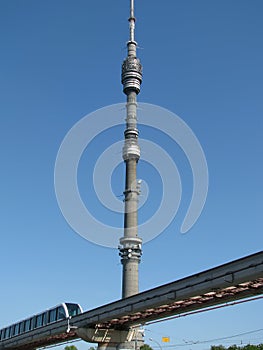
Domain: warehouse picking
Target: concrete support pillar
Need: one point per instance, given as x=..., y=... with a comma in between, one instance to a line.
x=110, y=339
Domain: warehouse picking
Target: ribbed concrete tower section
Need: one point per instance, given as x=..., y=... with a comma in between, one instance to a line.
x=130, y=243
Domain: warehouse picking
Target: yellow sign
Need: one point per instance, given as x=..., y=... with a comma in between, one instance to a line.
x=165, y=339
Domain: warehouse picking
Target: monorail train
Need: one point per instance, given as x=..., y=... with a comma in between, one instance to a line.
x=59, y=312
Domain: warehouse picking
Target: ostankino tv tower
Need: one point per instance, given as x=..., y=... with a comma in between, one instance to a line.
x=130, y=243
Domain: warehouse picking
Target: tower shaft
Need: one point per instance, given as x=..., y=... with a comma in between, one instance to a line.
x=130, y=243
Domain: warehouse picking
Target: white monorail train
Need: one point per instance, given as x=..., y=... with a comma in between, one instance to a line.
x=59, y=312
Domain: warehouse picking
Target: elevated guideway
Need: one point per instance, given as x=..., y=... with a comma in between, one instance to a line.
x=239, y=279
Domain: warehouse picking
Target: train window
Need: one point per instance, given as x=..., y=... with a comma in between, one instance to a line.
x=12, y=330
x=1, y=334
x=45, y=318
x=73, y=309
x=39, y=320
x=7, y=332
x=21, y=327
x=53, y=315
x=27, y=325
x=16, y=331
x=6, y=335
x=61, y=313
x=33, y=322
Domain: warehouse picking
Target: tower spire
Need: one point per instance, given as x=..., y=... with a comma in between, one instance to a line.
x=130, y=243
x=132, y=20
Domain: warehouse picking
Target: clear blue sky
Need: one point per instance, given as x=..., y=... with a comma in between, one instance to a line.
x=60, y=60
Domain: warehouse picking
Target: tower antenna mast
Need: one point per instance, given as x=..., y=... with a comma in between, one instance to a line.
x=132, y=21
x=130, y=244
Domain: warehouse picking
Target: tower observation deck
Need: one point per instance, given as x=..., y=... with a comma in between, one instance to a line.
x=130, y=244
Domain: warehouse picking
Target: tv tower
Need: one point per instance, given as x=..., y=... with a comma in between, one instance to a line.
x=130, y=244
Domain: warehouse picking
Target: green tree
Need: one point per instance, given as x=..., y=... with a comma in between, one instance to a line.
x=218, y=347
x=145, y=347
x=70, y=347
x=253, y=347
x=235, y=347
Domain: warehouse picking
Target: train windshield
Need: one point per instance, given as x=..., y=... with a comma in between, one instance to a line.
x=73, y=309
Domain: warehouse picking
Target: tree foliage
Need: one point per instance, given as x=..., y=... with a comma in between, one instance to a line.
x=236, y=347
x=70, y=347
x=145, y=347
